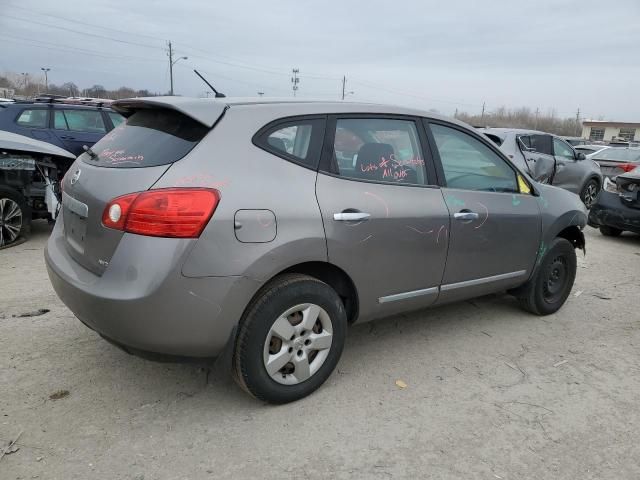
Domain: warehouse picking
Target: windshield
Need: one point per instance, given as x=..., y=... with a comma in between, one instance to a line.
x=619, y=154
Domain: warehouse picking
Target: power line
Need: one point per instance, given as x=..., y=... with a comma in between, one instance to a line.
x=104, y=37
x=75, y=21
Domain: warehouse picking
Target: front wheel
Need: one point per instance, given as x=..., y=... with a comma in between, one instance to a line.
x=547, y=291
x=590, y=193
x=290, y=339
x=13, y=216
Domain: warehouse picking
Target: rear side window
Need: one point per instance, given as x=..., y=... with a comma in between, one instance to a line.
x=116, y=118
x=33, y=118
x=296, y=140
x=150, y=137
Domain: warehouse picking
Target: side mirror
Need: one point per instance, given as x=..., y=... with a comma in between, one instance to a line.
x=580, y=156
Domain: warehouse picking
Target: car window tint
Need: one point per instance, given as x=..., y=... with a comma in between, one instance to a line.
x=561, y=149
x=293, y=140
x=379, y=150
x=85, y=121
x=541, y=144
x=59, y=122
x=470, y=164
x=33, y=118
x=116, y=118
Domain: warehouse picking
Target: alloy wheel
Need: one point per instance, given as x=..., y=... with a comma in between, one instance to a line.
x=297, y=344
x=590, y=194
x=10, y=221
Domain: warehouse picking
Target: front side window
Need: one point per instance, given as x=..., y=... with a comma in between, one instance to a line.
x=561, y=149
x=469, y=164
x=379, y=150
x=83, y=120
x=299, y=141
x=33, y=118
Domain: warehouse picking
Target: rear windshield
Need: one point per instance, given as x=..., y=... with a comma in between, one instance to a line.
x=148, y=138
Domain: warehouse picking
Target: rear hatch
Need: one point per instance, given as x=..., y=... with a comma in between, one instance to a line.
x=629, y=188
x=131, y=158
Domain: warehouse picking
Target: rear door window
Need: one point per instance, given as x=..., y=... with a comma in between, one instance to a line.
x=541, y=144
x=80, y=120
x=36, y=118
x=150, y=137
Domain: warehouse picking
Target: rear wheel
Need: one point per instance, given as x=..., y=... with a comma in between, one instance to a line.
x=590, y=193
x=547, y=291
x=610, y=231
x=290, y=339
x=13, y=218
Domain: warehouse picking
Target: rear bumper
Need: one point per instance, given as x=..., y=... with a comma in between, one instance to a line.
x=142, y=301
x=611, y=212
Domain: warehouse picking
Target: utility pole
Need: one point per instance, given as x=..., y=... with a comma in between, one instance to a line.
x=484, y=104
x=577, y=121
x=344, y=82
x=455, y=115
x=295, y=80
x=172, y=62
x=537, y=113
x=260, y=94
x=46, y=79
x=25, y=79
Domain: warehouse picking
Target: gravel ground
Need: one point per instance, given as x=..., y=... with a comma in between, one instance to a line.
x=492, y=392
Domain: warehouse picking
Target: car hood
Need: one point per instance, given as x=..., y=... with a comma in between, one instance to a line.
x=13, y=141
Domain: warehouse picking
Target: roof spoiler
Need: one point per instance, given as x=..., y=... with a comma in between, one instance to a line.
x=206, y=112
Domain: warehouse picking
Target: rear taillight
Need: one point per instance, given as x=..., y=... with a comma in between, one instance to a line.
x=169, y=212
x=627, y=167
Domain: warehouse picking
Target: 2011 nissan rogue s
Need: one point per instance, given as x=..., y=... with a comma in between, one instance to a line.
x=268, y=227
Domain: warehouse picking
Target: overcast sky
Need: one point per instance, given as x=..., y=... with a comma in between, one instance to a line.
x=560, y=54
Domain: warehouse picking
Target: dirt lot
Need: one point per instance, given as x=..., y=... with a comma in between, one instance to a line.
x=492, y=393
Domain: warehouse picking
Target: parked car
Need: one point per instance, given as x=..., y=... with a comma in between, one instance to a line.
x=188, y=230
x=67, y=123
x=618, y=206
x=618, y=160
x=589, y=149
x=29, y=174
x=549, y=159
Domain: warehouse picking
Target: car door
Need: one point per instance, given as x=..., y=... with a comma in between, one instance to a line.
x=384, y=216
x=78, y=127
x=568, y=172
x=495, y=227
x=538, y=155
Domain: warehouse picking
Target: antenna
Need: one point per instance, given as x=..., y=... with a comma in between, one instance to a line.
x=218, y=94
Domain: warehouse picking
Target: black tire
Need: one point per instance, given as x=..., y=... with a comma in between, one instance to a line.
x=547, y=291
x=22, y=221
x=589, y=192
x=610, y=231
x=275, y=298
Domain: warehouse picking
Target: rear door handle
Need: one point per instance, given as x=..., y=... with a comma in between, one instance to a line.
x=350, y=216
x=67, y=137
x=466, y=216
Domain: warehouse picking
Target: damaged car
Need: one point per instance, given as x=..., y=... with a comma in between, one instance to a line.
x=262, y=229
x=30, y=171
x=550, y=159
x=618, y=206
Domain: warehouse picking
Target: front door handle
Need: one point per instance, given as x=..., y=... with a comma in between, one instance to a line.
x=67, y=137
x=466, y=215
x=350, y=216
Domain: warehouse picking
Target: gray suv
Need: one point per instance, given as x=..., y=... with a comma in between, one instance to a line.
x=267, y=227
x=550, y=159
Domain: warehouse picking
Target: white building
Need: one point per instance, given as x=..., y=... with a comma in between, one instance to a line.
x=599, y=131
x=7, y=92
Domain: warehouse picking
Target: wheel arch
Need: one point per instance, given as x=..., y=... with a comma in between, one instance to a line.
x=574, y=235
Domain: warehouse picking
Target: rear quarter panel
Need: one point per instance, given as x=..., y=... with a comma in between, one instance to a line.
x=250, y=179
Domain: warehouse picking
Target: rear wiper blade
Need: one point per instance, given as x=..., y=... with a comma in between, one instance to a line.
x=91, y=153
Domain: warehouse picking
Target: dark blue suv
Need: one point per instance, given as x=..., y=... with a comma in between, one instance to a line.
x=67, y=124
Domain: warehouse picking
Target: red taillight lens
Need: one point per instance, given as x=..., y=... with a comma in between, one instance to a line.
x=627, y=167
x=170, y=212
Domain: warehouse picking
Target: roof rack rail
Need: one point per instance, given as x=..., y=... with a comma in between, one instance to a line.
x=88, y=101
